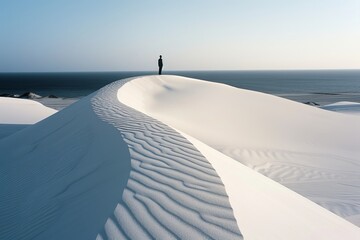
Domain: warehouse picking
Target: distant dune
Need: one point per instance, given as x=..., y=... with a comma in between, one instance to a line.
x=22, y=111
x=168, y=157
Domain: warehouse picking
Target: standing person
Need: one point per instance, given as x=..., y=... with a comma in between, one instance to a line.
x=160, y=64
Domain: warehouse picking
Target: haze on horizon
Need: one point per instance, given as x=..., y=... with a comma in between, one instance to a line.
x=92, y=35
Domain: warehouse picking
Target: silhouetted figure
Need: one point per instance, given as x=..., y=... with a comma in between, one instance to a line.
x=160, y=64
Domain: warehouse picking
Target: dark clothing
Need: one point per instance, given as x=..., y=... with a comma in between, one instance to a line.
x=160, y=64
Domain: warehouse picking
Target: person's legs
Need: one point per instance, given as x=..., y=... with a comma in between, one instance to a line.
x=160, y=69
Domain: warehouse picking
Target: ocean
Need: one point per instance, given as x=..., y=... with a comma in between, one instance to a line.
x=308, y=86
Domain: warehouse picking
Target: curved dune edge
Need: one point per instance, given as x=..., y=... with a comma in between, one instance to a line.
x=265, y=209
x=173, y=191
x=99, y=169
x=303, y=219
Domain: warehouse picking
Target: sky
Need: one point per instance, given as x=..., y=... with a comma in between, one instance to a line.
x=129, y=35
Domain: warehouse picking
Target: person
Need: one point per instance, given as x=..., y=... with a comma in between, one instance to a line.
x=160, y=64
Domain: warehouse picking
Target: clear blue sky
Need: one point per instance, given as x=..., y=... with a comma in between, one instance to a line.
x=125, y=35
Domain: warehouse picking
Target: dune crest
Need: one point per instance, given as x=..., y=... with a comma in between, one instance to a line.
x=173, y=191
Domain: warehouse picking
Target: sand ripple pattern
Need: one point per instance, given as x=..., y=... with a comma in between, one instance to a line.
x=173, y=192
x=333, y=187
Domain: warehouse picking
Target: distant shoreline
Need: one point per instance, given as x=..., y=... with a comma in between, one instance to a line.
x=319, y=86
x=182, y=70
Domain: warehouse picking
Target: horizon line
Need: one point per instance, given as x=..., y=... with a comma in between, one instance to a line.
x=217, y=70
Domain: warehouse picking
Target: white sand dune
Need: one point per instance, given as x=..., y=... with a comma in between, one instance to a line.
x=143, y=158
x=173, y=191
x=62, y=177
x=16, y=114
x=344, y=107
x=265, y=209
x=310, y=150
x=72, y=177
x=22, y=111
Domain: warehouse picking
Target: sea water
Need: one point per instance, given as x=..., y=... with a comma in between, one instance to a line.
x=318, y=86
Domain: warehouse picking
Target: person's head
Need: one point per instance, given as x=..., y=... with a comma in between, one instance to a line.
x=160, y=56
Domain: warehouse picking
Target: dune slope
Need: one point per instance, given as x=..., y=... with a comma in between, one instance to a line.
x=99, y=169
x=312, y=151
x=62, y=177
x=173, y=191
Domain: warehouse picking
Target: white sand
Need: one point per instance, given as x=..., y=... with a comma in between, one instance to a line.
x=16, y=114
x=266, y=210
x=62, y=177
x=103, y=169
x=71, y=176
x=310, y=150
x=344, y=107
x=22, y=111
